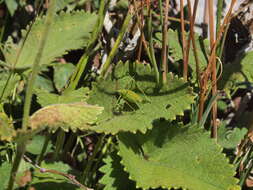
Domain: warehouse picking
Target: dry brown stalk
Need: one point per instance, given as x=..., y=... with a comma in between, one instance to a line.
x=185, y=70
x=206, y=74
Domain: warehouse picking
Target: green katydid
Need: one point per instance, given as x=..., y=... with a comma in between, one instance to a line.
x=131, y=97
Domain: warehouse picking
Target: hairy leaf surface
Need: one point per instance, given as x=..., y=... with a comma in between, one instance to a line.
x=173, y=156
x=45, y=98
x=66, y=116
x=5, y=170
x=69, y=31
x=166, y=101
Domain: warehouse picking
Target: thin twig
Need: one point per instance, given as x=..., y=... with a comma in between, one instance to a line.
x=206, y=74
x=213, y=63
x=192, y=37
x=70, y=177
x=185, y=71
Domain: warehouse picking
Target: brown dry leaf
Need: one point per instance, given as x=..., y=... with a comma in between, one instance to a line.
x=24, y=179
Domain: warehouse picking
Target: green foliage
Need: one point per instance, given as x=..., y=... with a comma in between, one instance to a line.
x=173, y=156
x=7, y=131
x=36, y=144
x=45, y=177
x=5, y=169
x=66, y=33
x=115, y=178
x=12, y=6
x=45, y=98
x=50, y=180
x=62, y=73
x=72, y=116
x=7, y=90
x=43, y=84
x=230, y=138
x=166, y=101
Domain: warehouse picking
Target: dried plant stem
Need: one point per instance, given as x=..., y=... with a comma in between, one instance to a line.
x=171, y=18
x=142, y=38
x=185, y=71
x=165, y=42
x=192, y=37
x=205, y=20
x=206, y=74
x=213, y=68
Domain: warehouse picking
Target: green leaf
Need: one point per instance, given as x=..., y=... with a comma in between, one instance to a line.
x=61, y=4
x=53, y=181
x=167, y=101
x=45, y=98
x=46, y=177
x=115, y=178
x=7, y=131
x=9, y=89
x=173, y=156
x=43, y=84
x=121, y=5
x=5, y=170
x=12, y=6
x=66, y=116
x=230, y=138
x=36, y=144
x=240, y=71
x=55, y=186
x=69, y=31
x=62, y=73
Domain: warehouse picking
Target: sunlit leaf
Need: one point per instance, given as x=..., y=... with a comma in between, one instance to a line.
x=167, y=101
x=7, y=131
x=66, y=116
x=69, y=31
x=173, y=156
x=45, y=98
x=5, y=170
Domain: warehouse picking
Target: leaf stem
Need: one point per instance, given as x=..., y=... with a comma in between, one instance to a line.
x=44, y=149
x=151, y=46
x=29, y=92
x=86, y=172
x=82, y=64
